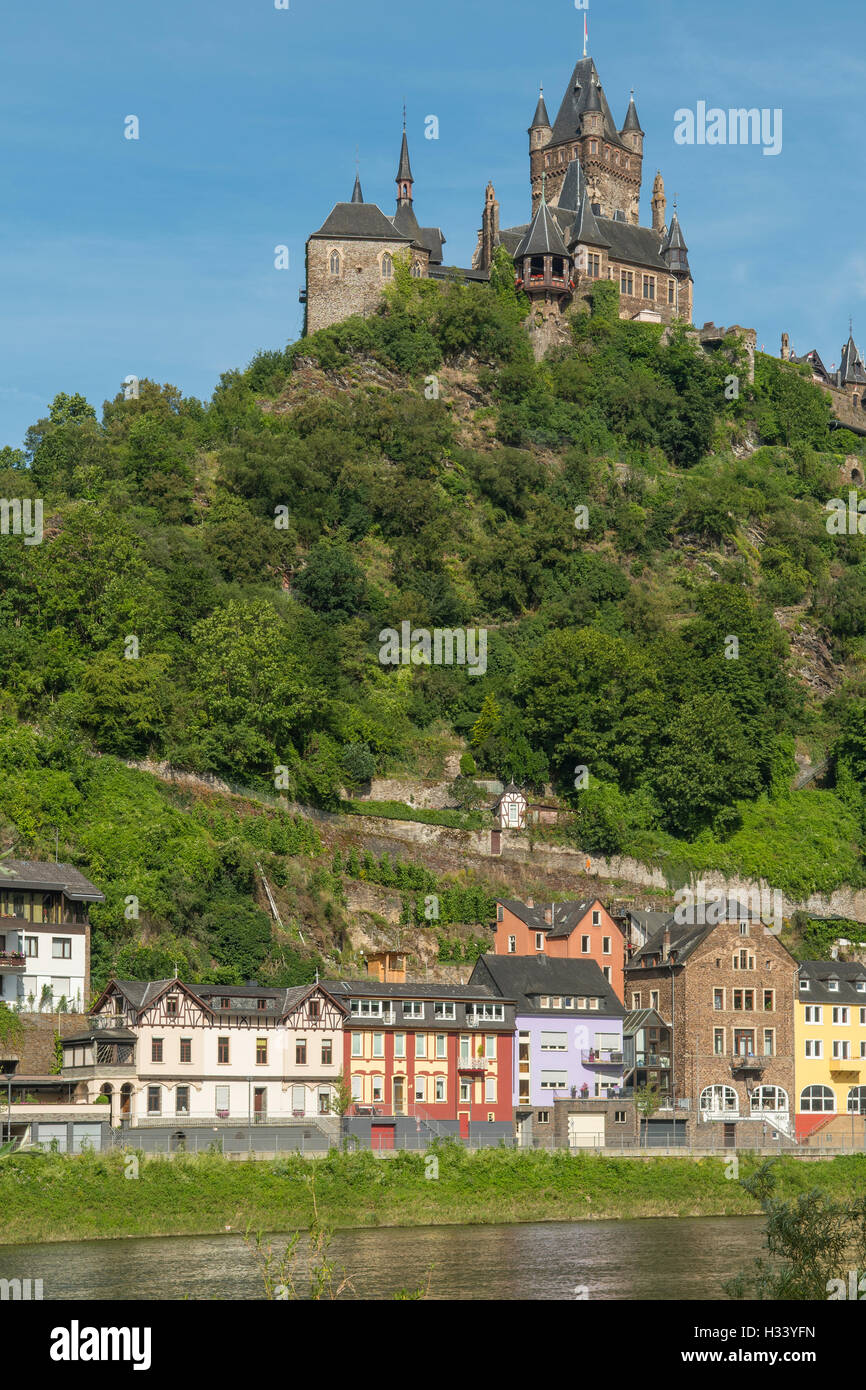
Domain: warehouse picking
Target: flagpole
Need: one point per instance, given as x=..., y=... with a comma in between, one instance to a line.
x=585, y=35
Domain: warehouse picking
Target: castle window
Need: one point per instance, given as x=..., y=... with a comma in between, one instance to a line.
x=593, y=147
x=538, y=135
x=627, y=162
x=416, y=269
x=558, y=268
x=593, y=265
x=387, y=267
x=616, y=158
x=671, y=291
x=607, y=152
x=649, y=287
x=626, y=282
x=336, y=262
x=574, y=151
x=547, y=161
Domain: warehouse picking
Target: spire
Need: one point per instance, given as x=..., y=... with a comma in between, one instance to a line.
x=543, y=237
x=357, y=195
x=631, y=118
x=405, y=177
x=593, y=101
x=674, y=249
x=541, y=117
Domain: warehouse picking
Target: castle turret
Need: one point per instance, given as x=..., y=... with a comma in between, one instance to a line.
x=675, y=252
x=593, y=115
x=659, y=206
x=542, y=259
x=631, y=133
x=540, y=131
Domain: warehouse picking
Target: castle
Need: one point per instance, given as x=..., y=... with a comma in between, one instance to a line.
x=585, y=182
x=846, y=384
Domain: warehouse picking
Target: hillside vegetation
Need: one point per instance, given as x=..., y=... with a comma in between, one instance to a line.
x=214, y=579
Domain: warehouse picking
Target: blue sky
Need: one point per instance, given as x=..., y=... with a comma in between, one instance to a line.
x=156, y=257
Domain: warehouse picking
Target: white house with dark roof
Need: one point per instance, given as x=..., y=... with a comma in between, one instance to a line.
x=166, y=1053
x=45, y=934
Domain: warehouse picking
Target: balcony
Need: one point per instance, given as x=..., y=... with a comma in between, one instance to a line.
x=13, y=961
x=653, y=1059
x=473, y=1064
x=846, y=1064
x=749, y=1062
x=601, y=1057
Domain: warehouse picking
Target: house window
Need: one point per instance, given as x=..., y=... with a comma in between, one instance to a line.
x=840, y=1015
x=769, y=1001
x=440, y=1088
x=841, y=1051
x=554, y=1080
x=596, y=918
x=543, y=1117
x=744, y=1000
x=863, y=1018
x=186, y=1049
x=490, y=1047
x=499, y=912
x=261, y=1051
x=554, y=1042
x=378, y=1044
x=223, y=1051
x=357, y=1044
x=413, y=1009
x=336, y=263
x=654, y=998
x=387, y=267
x=585, y=945
x=605, y=945
x=512, y=945
x=154, y=1100
x=649, y=287
x=626, y=282
x=447, y=1011
x=490, y=1089
x=301, y=1052
x=327, y=1052
x=635, y=1001
x=718, y=999
x=181, y=1100
x=378, y=1089
x=814, y=1013
x=719, y=1042
x=31, y=945
x=221, y=1097
x=720, y=1099
x=539, y=941
x=593, y=265
x=261, y=1003
x=816, y=1100
x=420, y=1044
x=171, y=1006
x=314, y=1007
x=441, y=1045
x=61, y=947
x=399, y=1044
x=465, y=1090
x=833, y=986
x=814, y=1047
x=619, y=1117
x=156, y=1049
x=769, y=1045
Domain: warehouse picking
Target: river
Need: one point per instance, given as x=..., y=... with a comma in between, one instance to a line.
x=665, y=1258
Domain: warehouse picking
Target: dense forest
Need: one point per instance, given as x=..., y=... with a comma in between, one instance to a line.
x=214, y=578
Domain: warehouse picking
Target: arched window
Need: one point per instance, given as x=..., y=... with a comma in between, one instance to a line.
x=857, y=1100
x=416, y=269
x=817, y=1100
x=769, y=1098
x=720, y=1099
x=387, y=267
x=336, y=263
x=125, y=1098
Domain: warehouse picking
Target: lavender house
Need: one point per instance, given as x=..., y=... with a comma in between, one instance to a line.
x=569, y=1027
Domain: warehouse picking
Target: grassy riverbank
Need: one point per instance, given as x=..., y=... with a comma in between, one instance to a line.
x=49, y=1197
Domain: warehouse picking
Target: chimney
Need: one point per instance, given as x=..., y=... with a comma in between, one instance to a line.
x=530, y=902
x=666, y=943
x=548, y=916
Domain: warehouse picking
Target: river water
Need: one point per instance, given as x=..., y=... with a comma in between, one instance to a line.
x=664, y=1258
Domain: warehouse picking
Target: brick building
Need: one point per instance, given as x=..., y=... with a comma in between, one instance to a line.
x=571, y=931
x=727, y=990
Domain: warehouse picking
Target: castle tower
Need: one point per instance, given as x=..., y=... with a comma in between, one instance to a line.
x=786, y=348
x=540, y=130
x=676, y=254
x=543, y=262
x=632, y=135
x=489, y=228
x=659, y=205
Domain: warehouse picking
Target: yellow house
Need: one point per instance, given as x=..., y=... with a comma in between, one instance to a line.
x=830, y=1047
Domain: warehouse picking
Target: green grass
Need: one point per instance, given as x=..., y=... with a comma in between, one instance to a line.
x=48, y=1197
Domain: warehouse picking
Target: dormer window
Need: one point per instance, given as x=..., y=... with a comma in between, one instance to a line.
x=171, y=1006
x=805, y=985
x=833, y=986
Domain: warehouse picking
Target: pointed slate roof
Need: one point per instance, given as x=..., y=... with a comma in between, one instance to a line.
x=851, y=365
x=357, y=195
x=586, y=229
x=544, y=237
x=405, y=170
x=541, y=117
x=674, y=249
x=581, y=91
x=573, y=187
x=362, y=221
x=631, y=118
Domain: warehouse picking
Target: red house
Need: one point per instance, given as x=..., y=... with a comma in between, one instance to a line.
x=425, y=1061
x=573, y=931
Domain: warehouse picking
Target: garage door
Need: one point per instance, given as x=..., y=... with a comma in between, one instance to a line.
x=382, y=1137
x=52, y=1135
x=85, y=1137
x=586, y=1131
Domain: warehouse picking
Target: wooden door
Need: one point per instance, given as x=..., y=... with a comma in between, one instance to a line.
x=463, y=1117
x=260, y=1108
x=382, y=1137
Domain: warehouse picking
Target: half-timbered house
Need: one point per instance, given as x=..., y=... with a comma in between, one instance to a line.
x=165, y=1052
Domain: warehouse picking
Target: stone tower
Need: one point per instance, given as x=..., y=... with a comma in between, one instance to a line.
x=489, y=228
x=659, y=205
